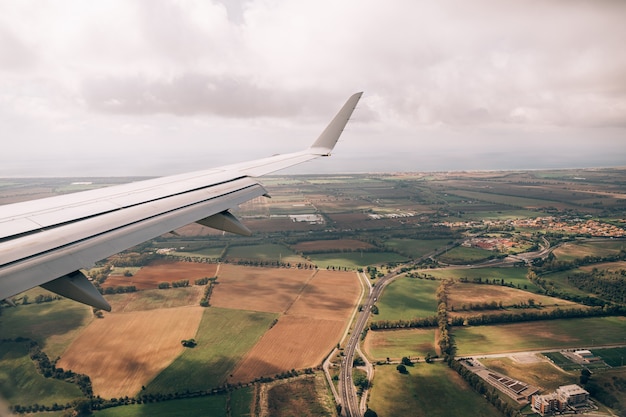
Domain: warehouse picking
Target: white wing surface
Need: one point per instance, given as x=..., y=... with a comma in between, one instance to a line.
x=47, y=242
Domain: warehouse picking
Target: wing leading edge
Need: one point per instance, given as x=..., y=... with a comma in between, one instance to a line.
x=46, y=242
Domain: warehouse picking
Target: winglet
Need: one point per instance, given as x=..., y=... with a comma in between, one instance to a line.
x=327, y=140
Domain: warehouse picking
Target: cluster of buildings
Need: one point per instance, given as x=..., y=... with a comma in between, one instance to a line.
x=575, y=226
x=565, y=397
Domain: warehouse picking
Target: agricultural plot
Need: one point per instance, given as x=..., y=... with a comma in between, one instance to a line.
x=407, y=298
x=267, y=252
x=20, y=383
x=223, y=338
x=214, y=405
x=394, y=344
x=515, y=277
x=355, y=260
x=53, y=325
x=295, y=342
x=432, y=390
x=301, y=397
x=149, y=277
x=465, y=296
x=307, y=331
x=155, y=299
x=566, y=333
x=331, y=245
x=415, y=248
x=123, y=351
x=462, y=255
x=570, y=250
x=258, y=289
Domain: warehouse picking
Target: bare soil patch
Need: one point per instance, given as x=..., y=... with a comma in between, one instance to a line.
x=124, y=351
x=295, y=342
x=150, y=276
x=270, y=290
x=328, y=295
x=331, y=245
x=312, y=324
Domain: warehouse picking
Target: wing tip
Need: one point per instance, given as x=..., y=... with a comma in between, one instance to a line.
x=329, y=137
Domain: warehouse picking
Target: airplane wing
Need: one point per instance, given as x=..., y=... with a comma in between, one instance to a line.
x=47, y=242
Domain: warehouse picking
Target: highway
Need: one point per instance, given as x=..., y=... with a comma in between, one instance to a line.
x=347, y=390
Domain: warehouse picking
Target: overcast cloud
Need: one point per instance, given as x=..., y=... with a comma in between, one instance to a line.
x=158, y=87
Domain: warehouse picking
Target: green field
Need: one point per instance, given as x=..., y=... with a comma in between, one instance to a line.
x=21, y=384
x=194, y=407
x=395, y=344
x=514, y=276
x=431, y=390
x=574, y=250
x=240, y=402
x=561, y=361
x=613, y=357
x=210, y=253
x=53, y=325
x=223, y=337
x=539, y=335
x=462, y=255
x=415, y=247
x=355, y=260
x=407, y=298
x=269, y=252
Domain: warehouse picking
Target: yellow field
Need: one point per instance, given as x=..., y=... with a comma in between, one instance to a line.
x=123, y=351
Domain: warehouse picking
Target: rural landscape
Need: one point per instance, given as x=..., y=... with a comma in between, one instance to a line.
x=408, y=294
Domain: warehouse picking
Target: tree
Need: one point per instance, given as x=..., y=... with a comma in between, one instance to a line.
x=406, y=361
x=370, y=413
x=402, y=369
x=585, y=375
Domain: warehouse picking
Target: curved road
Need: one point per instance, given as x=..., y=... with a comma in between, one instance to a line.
x=347, y=390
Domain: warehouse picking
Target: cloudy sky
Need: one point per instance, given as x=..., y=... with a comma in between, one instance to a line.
x=160, y=87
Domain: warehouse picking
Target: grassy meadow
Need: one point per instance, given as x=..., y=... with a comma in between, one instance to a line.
x=462, y=255
x=428, y=390
x=266, y=252
x=513, y=276
x=53, y=325
x=539, y=335
x=20, y=383
x=407, y=298
x=355, y=260
x=394, y=344
x=415, y=247
x=214, y=405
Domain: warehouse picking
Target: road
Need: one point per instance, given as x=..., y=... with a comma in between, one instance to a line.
x=347, y=391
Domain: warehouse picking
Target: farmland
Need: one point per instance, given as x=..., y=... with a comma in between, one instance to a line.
x=407, y=298
x=416, y=393
x=540, y=335
x=135, y=347
x=274, y=306
x=395, y=344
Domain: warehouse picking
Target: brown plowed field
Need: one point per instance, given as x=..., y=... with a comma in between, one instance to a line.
x=270, y=290
x=308, y=330
x=150, y=276
x=331, y=245
x=295, y=342
x=124, y=351
x=329, y=295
